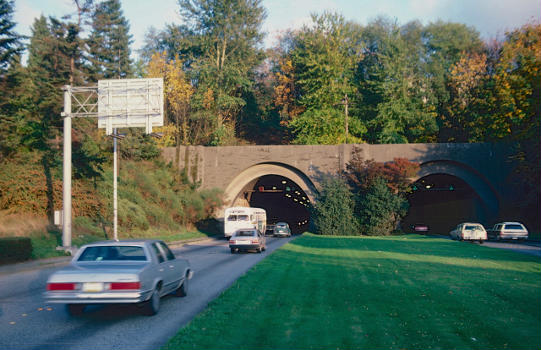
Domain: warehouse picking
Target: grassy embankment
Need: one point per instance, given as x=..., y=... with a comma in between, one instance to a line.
x=153, y=202
x=402, y=292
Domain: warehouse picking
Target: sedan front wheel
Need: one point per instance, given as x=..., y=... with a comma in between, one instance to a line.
x=182, y=291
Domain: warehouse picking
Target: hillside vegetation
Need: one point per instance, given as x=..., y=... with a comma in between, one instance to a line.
x=153, y=200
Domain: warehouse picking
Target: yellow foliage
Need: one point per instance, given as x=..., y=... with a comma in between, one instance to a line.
x=177, y=94
x=169, y=135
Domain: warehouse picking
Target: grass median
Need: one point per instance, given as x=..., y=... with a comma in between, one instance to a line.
x=401, y=292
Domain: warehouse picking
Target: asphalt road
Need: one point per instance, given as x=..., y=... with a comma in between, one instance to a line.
x=28, y=322
x=532, y=248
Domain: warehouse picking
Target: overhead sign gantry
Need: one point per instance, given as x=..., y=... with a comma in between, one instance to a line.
x=117, y=103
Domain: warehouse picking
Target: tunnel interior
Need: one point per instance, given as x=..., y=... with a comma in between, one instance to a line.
x=441, y=202
x=283, y=200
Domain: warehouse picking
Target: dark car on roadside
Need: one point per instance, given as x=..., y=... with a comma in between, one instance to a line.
x=422, y=228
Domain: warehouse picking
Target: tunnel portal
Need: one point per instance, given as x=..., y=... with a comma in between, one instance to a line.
x=442, y=201
x=283, y=200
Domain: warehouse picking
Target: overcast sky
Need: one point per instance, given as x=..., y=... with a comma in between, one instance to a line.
x=490, y=17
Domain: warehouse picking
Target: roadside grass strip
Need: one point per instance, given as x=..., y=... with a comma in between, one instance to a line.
x=400, y=292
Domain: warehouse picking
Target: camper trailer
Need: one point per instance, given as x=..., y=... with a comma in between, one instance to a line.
x=236, y=218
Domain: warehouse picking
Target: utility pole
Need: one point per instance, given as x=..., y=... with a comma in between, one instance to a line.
x=115, y=186
x=346, y=101
x=66, y=179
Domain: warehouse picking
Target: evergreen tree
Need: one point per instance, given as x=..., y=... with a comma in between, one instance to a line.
x=10, y=44
x=109, y=43
x=379, y=210
x=333, y=210
x=324, y=57
x=393, y=85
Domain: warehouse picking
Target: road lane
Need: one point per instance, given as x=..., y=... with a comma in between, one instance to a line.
x=28, y=322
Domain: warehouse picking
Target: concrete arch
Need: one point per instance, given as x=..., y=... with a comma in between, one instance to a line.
x=489, y=196
x=256, y=171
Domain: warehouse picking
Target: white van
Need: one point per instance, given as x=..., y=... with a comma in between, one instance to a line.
x=236, y=218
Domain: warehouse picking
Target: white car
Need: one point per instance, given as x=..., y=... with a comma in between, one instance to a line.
x=469, y=231
x=247, y=239
x=508, y=230
x=137, y=272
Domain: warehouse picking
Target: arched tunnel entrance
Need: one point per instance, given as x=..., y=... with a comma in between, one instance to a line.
x=283, y=200
x=441, y=201
x=283, y=191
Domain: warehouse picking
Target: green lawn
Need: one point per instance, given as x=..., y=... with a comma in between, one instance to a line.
x=401, y=292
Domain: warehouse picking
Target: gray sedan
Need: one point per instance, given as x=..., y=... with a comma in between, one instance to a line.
x=138, y=272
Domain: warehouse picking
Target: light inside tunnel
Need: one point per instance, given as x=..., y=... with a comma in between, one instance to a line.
x=441, y=202
x=283, y=201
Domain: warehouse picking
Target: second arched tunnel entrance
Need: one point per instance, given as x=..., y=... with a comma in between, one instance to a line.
x=441, y=201
x=283, y=200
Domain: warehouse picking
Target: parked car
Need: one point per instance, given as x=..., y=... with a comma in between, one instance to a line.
x=247, y=239
x=138, y=272
x=420, y=228
x=508, y=230
x=281, y=229
x=469, y=231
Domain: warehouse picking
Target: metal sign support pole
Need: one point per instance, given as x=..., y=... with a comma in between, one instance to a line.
x=115, y=195
x=66, y=179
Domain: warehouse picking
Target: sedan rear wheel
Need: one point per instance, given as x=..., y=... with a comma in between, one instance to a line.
x=152, y=305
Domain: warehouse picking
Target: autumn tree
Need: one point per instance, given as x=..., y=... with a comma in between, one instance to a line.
x=286, y=91
x=398, y=174
x=468, y=114
x=379, y=191
x=225, y=39
x=518, y=95
x=177, y=91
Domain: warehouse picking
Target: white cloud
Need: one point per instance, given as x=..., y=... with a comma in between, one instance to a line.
x=24, y=16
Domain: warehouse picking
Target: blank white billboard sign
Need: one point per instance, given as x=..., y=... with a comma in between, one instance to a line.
x=130, y=103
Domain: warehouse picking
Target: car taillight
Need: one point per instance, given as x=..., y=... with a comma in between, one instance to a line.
x=232, y=241
x=61, y=286
x=125, y=285
x=255, y=241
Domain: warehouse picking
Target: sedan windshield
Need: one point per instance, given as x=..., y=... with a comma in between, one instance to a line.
x=113, y=253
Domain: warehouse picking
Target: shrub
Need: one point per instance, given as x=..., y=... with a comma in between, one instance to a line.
x=379, y=209
x=333, y=210
x=398, y=173
x=131, y=215
x=14, y=249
